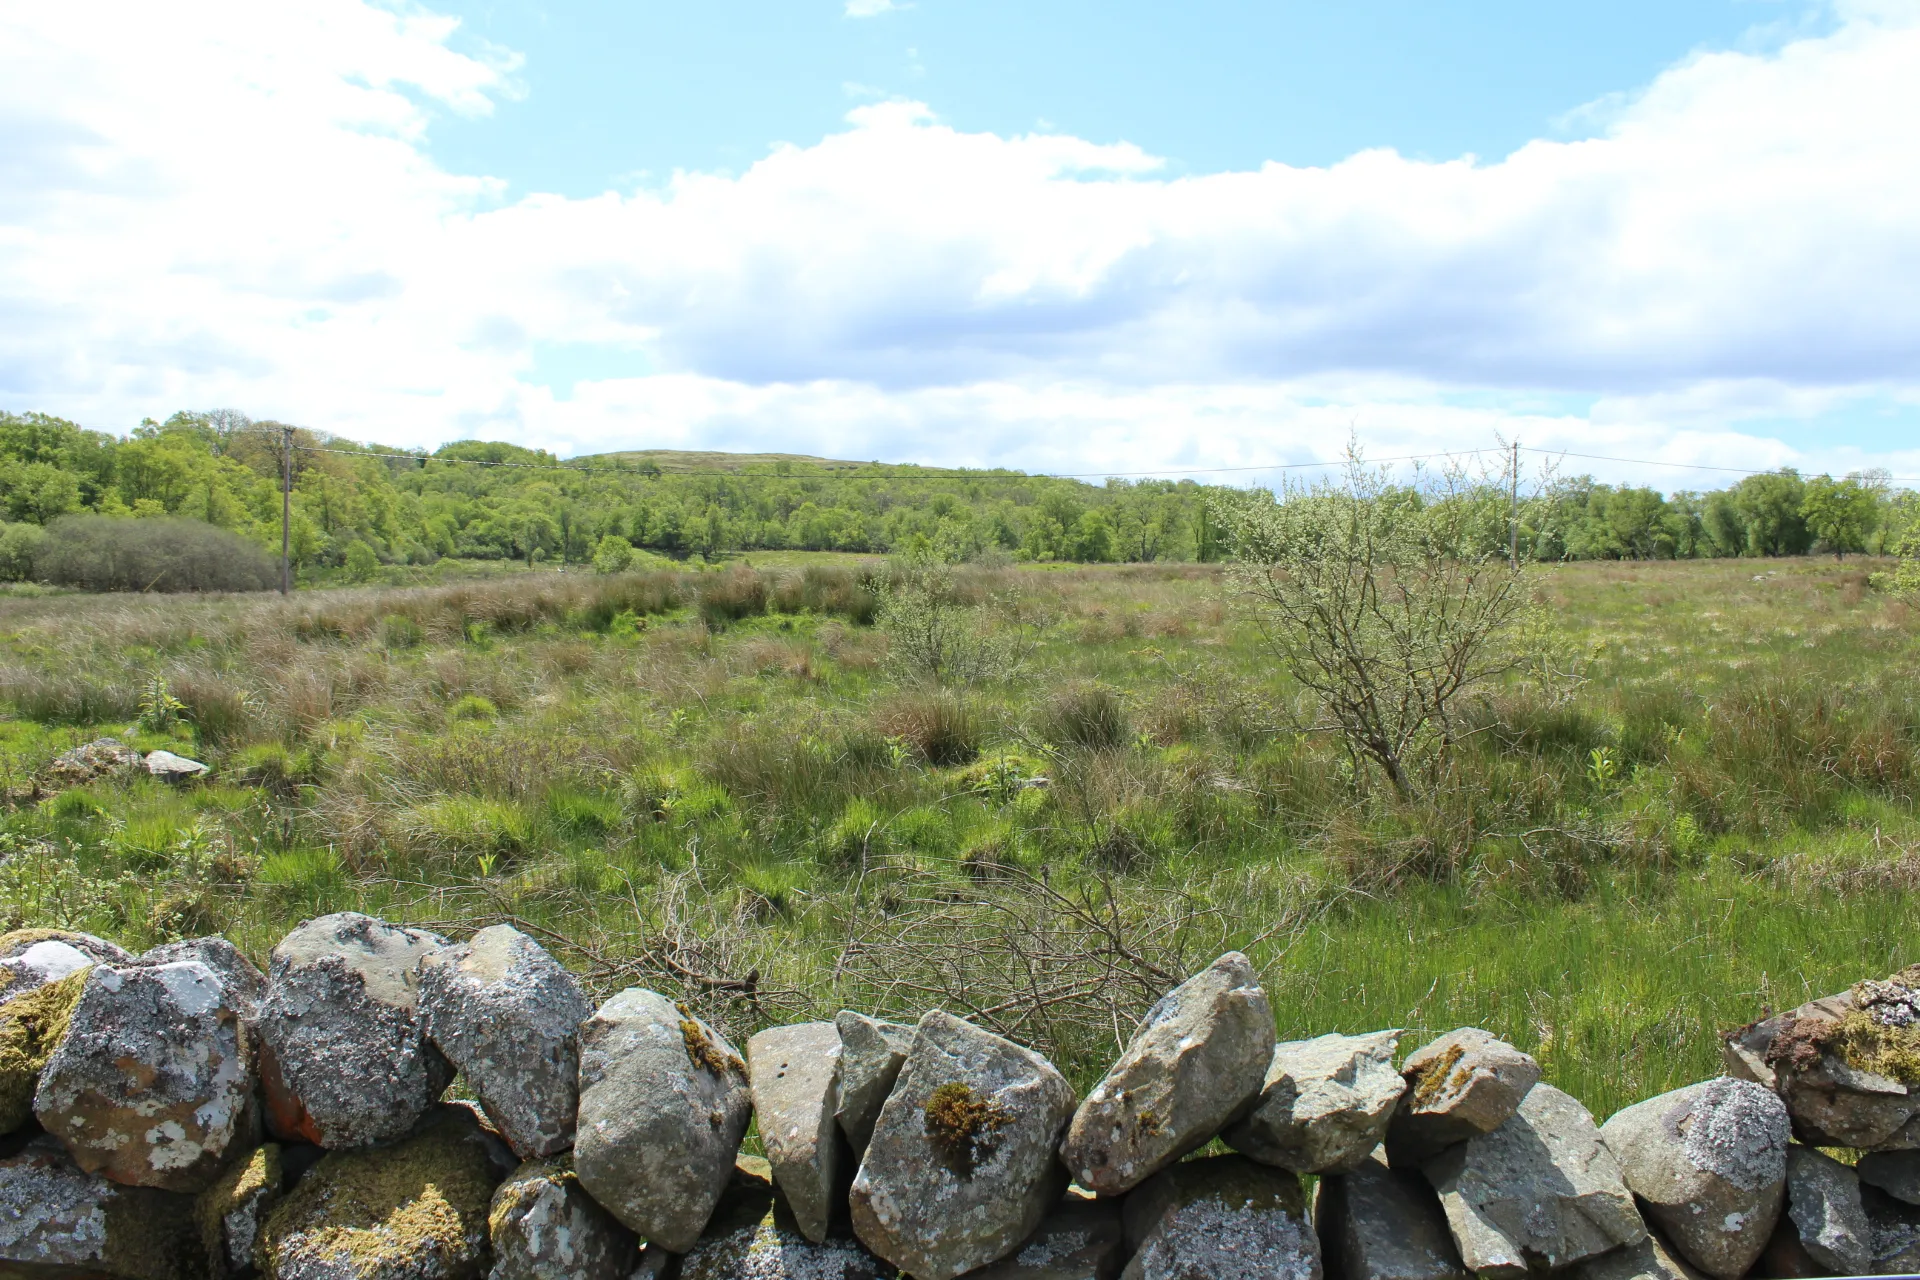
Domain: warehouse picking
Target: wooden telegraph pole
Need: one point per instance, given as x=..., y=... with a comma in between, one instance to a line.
x=1513, y=508
x=286, y=510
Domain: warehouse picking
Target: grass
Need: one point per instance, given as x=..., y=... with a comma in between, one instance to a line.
x=708, y=782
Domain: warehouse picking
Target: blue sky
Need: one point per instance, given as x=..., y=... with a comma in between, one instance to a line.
x=1062, y=236
x=614, y=91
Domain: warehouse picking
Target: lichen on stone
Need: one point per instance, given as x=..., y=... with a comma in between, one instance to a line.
x=962, y=1124
x=1433, y=1079
x=243, y=1184
x=31, y=1028
x=701, y=1049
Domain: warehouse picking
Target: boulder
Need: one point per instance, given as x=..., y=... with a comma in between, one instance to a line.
x=663, y=1106
x=168, y=767
x=962, y=1165
x=1222, y=1218
x=245, y=986
x=1079, y=1239
x=101, y=758
x=58, y=1220
x=31, y=1028
x=508, y=1015
x=1893, y=1226
x=795, y=1075
x=1197, y=1061
x=1709, y=1165
x=753, y=1236
x=1648, y=1260
x=1464, y=1084
x=871, y=1054
x=1895, y=1172
x=1377, y=1223
x=229, y=1213
x=416, y=1210
x=1824, y=1231
x=1541, y=1190
x=546, y=1227
x=32, y=958
x=153, y=1082
x=1325, y=1104
x=344, y=1057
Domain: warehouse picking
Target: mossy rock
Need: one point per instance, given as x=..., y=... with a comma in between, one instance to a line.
x=31, y=1028
x=416, y=1210
x=18, y=980
x=58, y=1220
x=230, y=1212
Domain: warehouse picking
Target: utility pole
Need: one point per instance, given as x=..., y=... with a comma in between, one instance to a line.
x=1513, y=508
x=286, y=510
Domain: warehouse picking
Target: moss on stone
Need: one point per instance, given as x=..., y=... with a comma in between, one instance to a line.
x=244, y=1181
x=151, y=1235
x=1867, y=1045
x=1432, y=1079
x=31, y=1028
x=422, y=1202
x=525, y=1183
x=961, y=1125
x=702, y=1050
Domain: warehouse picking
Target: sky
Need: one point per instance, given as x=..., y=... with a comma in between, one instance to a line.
x=1079, y=237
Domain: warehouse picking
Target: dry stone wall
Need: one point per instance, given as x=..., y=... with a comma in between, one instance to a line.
x=179, y=1114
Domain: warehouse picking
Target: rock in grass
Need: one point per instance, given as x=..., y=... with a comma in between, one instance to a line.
x=32, y=958
x=962, y=1165
x=168, y=767
x=546, y=1227
x=153, y=1081
x=753, y=1236
x=1824, y=1230
x=1079, y=1239
x=1541, y=1190
x=1709, y=1165
x=508, y=1015
x=795, y=1074
x=1466, y=1083
x=31, y=1028
x=1648, y=1260
x=1197, y=1061
x=245, y=986
x=56, y=1219
x=416, y=1210
x=1224, y=1218
x=101, y=758
x=871, y=1054
x=231, y=1211
x=663, y=1106
x=1325, y=1104
x=1377, y=1223
x=344, y=1057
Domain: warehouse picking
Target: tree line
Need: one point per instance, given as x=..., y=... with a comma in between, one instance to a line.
x=358, y=505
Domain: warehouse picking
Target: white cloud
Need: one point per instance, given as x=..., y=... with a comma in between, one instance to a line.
x=232, y=204
x=872, y=8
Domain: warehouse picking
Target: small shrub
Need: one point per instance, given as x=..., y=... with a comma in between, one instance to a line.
x=105, y=553
x=361, y=563
x=939, y=727
x=613, y=555
x=472, y=709
x=1085, y=715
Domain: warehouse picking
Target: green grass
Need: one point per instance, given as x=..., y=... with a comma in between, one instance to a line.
x=1708, y=813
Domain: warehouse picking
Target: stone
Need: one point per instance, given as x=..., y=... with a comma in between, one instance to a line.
x=244, y=984
x=416, y=1210
x=153, y=1081
x=663, y=1106
x=871, y=1054
x=753, y=1236
x=1648, y=1260
x=508, y=1015
x=344, y=1057
x=962, y=1164
x=32, y=958
x=1841, y=1063
x=1197, y=1061
x=1895, y=1172
x=1378, y=1223
x=1824, y=1230
x=795, y=1079
x=545, y=1226
x=1079, y=1239
x=1893, y=1227
x=1541, y=1190
x=1462, y=1085
x=231, y=1211
x=1220, y=1218
x=168, y=767
x=1709, y=1165
x=31, y=1028
x=58, y=1220
x=1325, y=1104
x=101, y=758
